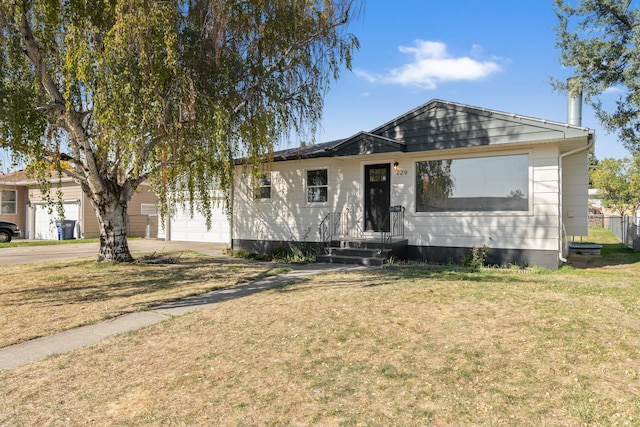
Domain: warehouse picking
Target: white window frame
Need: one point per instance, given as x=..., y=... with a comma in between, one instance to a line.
x=529, y=212
x=261, y=182
x=4, y=203
x=307, y=187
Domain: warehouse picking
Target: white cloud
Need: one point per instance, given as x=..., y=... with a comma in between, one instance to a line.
x=432, y=64
x=612, y=90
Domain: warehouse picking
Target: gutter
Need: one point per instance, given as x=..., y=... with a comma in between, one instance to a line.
x=560, y=193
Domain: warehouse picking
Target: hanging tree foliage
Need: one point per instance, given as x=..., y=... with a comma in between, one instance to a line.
x=599, y=39
x=116, y=92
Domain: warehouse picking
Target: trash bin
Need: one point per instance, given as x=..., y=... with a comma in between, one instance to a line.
x=60, y=231
x=66, y=233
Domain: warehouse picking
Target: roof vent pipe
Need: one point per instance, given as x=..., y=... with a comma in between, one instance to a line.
x=574, y=102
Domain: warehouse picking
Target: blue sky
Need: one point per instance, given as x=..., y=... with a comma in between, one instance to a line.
x=496, y=54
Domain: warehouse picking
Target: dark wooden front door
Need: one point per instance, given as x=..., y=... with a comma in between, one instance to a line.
x=377, y=189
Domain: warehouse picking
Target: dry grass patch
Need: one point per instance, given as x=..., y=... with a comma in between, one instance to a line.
x=396, y=346
x=401, y=346
x=44, y=298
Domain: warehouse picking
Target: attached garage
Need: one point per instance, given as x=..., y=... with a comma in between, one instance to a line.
x=44, y=223
x=185, y=228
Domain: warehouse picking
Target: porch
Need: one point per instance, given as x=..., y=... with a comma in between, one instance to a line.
x=345, y=242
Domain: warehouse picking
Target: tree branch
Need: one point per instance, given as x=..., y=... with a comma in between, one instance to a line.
x=627, y=24
x=71, y=121
x=35, y=53
x=50, y=107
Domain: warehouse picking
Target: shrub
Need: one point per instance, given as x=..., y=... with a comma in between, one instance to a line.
x=476, y=259
x=291, y=254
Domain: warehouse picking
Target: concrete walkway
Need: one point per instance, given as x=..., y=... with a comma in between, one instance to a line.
x=40, y=348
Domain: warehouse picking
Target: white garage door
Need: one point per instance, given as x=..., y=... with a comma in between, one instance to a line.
x=187, y=229
x=45, y=224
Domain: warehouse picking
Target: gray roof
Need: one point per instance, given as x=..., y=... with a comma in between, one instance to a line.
x=439, y=125
x=306, y=151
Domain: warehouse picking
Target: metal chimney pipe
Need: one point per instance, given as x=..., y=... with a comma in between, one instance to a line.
x=574, y=103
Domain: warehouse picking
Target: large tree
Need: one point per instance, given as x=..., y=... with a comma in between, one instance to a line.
x=599, y=40
x=116, y=92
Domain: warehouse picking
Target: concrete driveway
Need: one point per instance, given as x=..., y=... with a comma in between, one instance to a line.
x=28, y=254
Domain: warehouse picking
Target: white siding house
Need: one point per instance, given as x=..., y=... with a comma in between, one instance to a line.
x=461, y=177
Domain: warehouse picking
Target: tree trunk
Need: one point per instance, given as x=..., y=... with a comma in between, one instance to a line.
x=111, y=212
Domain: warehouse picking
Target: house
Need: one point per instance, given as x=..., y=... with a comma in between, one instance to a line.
x=431, y=184
x=23, y=203
x=184, y=224
x=595, y=203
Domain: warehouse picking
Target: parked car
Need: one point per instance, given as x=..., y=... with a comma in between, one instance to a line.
x=8, y=230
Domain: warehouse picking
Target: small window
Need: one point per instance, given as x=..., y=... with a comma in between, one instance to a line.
x=317, y=186
x=8, y=202
x=378, y=175
x=262, y=190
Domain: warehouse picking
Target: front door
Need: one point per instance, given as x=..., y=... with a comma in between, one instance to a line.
x=377, y=190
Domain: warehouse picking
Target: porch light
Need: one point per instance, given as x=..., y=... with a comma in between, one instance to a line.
x=395, y=166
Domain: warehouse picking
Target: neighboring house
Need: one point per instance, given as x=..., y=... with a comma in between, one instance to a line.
x=595, y=204
x=22, y=202
x=595, y=210
x=457, y=176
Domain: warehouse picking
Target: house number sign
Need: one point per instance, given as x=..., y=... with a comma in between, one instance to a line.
x=402, y=172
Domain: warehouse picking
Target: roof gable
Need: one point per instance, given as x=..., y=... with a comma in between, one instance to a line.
x=366, y=143
x=441, y=125
x=21, y=178
x=18, y=178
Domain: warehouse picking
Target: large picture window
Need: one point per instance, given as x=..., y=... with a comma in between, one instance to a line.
x=317, y=186
x=499, y=183
x=8, y=202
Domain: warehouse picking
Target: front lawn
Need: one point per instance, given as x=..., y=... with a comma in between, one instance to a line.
x=40, y=299
x=401, y=346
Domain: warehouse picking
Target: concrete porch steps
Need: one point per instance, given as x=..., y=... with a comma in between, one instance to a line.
x=368, y=252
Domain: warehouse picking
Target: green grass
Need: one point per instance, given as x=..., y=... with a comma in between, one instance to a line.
x=18, y=243
x=602, y=236
x=612, y=253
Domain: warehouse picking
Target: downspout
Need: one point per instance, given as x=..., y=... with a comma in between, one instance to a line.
x=80, y=222
x=27, y=224
x=562, y=156
x=574, y=117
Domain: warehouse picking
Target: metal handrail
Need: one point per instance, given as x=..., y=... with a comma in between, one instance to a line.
x=324, y=228
x=338, y=223
x=396, y=226
x=353, y=227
